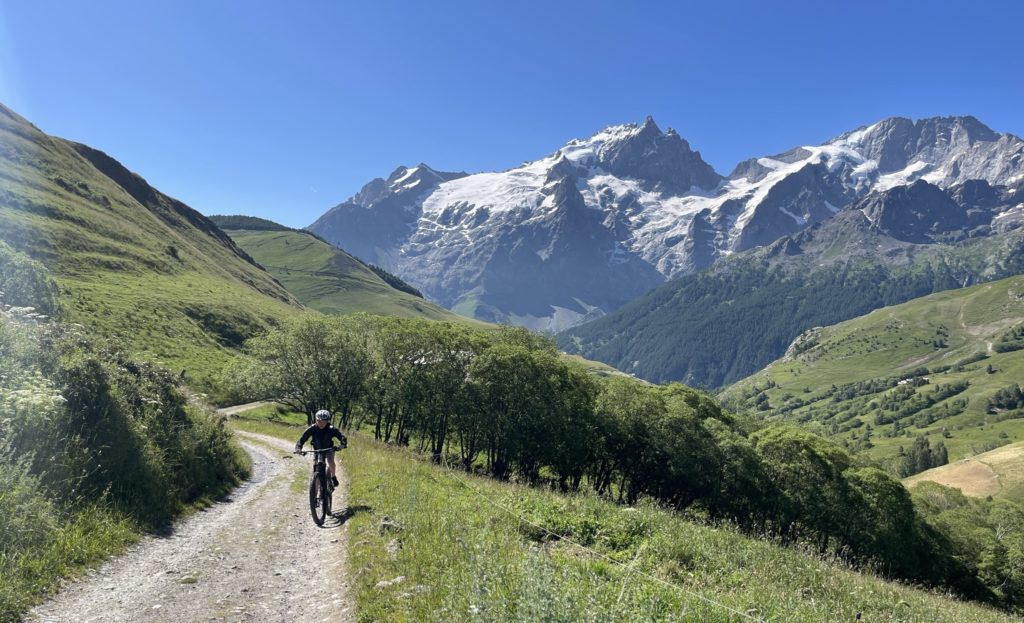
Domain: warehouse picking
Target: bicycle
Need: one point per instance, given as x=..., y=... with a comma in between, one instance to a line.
x=321, y=489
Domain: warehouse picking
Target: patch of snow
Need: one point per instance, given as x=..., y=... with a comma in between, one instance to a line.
x=801, y=221
x=756, y=193
x=903, y=177
x=408, y=173
x=587, y=151
x=831, y=208
x=1014, y=211
x=770, y=163
x=853, y=139
x=501, y=192
x=863, y=171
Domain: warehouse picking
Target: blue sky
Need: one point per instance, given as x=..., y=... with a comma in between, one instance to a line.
x=282, y=110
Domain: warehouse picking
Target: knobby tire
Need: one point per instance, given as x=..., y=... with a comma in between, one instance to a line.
x=325, y=488
x=317, y=502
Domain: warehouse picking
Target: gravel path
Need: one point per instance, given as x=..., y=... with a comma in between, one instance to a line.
x=255, y=556
x=235, y=410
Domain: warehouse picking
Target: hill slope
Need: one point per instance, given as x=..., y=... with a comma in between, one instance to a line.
x=326, y=278
x=942, y=367
x=132, y=263
x=639, y=563
x=998, y=473
x=720, y=325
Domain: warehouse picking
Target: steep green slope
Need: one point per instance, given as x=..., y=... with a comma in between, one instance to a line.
x=942, y=367
x=94, y=447
x=131, y=263
x=329, y=280
x=466, y=544
x=718, y=326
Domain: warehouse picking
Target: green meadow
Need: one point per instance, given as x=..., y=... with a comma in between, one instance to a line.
x=931, y=367
x=329, y=280
x=427, y=543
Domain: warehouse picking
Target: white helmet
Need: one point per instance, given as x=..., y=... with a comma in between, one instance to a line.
x=323, y=414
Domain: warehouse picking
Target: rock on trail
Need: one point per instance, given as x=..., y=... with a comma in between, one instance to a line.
x=255, y=556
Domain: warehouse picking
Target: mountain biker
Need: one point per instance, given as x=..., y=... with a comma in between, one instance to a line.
x=322, y=434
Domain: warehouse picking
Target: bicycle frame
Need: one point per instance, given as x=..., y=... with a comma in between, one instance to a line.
x=321, y=489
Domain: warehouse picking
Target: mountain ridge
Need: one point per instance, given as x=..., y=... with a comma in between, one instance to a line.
x=133, y=265
x=324, y=277
x=726, y=322
x=663, y=212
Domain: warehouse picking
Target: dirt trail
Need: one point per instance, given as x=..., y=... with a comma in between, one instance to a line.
x=255, y=556
x=239, y=408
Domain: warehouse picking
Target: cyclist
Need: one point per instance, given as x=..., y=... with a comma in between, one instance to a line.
x=322, y=434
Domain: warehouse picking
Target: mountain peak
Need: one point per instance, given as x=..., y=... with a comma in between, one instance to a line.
x=643, y=151
x=650, y=125
x=944, y=150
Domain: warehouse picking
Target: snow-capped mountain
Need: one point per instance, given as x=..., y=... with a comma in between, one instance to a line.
x=586, y=229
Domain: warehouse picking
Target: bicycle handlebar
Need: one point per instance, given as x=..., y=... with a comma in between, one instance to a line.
x=321, y=450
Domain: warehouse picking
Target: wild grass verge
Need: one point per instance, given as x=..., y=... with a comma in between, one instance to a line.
x=76, y=541
x=430, y=544
x=94, y=449
x=462, y=556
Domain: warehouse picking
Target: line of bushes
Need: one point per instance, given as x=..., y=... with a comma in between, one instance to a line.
x=505, y=403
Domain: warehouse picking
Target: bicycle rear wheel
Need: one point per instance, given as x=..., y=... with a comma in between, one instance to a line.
x=317, y=491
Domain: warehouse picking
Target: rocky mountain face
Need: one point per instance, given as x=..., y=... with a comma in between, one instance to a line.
x=724, y=323
x=545, y=245
x=576, y=235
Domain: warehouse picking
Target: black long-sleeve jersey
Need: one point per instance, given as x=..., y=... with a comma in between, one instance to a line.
x=321, y=437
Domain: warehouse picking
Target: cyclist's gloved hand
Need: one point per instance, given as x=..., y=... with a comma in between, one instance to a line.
x=298, y=449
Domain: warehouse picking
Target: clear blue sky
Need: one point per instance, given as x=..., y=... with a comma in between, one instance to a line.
x=283, y=109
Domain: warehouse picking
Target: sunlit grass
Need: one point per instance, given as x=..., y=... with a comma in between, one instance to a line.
x=430, y=544
x=83, y=538
x=463, y=557
x=331, y=281
x=934, y=332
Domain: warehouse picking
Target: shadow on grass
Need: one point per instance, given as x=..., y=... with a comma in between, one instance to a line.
x=349, y=513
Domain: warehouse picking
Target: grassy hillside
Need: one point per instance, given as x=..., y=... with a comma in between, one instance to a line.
x=933, y=367
x=431, y=544
x=329, y=280
x=998, y=473
x=94, y=447
x=132, y=264
x=718, y=326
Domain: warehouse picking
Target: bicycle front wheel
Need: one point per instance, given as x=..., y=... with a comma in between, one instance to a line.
x=325, y=490
x=317, y=492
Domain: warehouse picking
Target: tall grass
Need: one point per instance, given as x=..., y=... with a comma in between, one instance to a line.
x=69, y=542
x=464, y=557
x=94, y=448
x=430, y=544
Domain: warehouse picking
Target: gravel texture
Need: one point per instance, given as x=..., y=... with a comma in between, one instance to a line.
x=254, y=556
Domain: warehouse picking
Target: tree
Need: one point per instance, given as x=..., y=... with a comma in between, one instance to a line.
x=310, y=363
x=626, y=414
x=809, y=472
x=921, y=456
